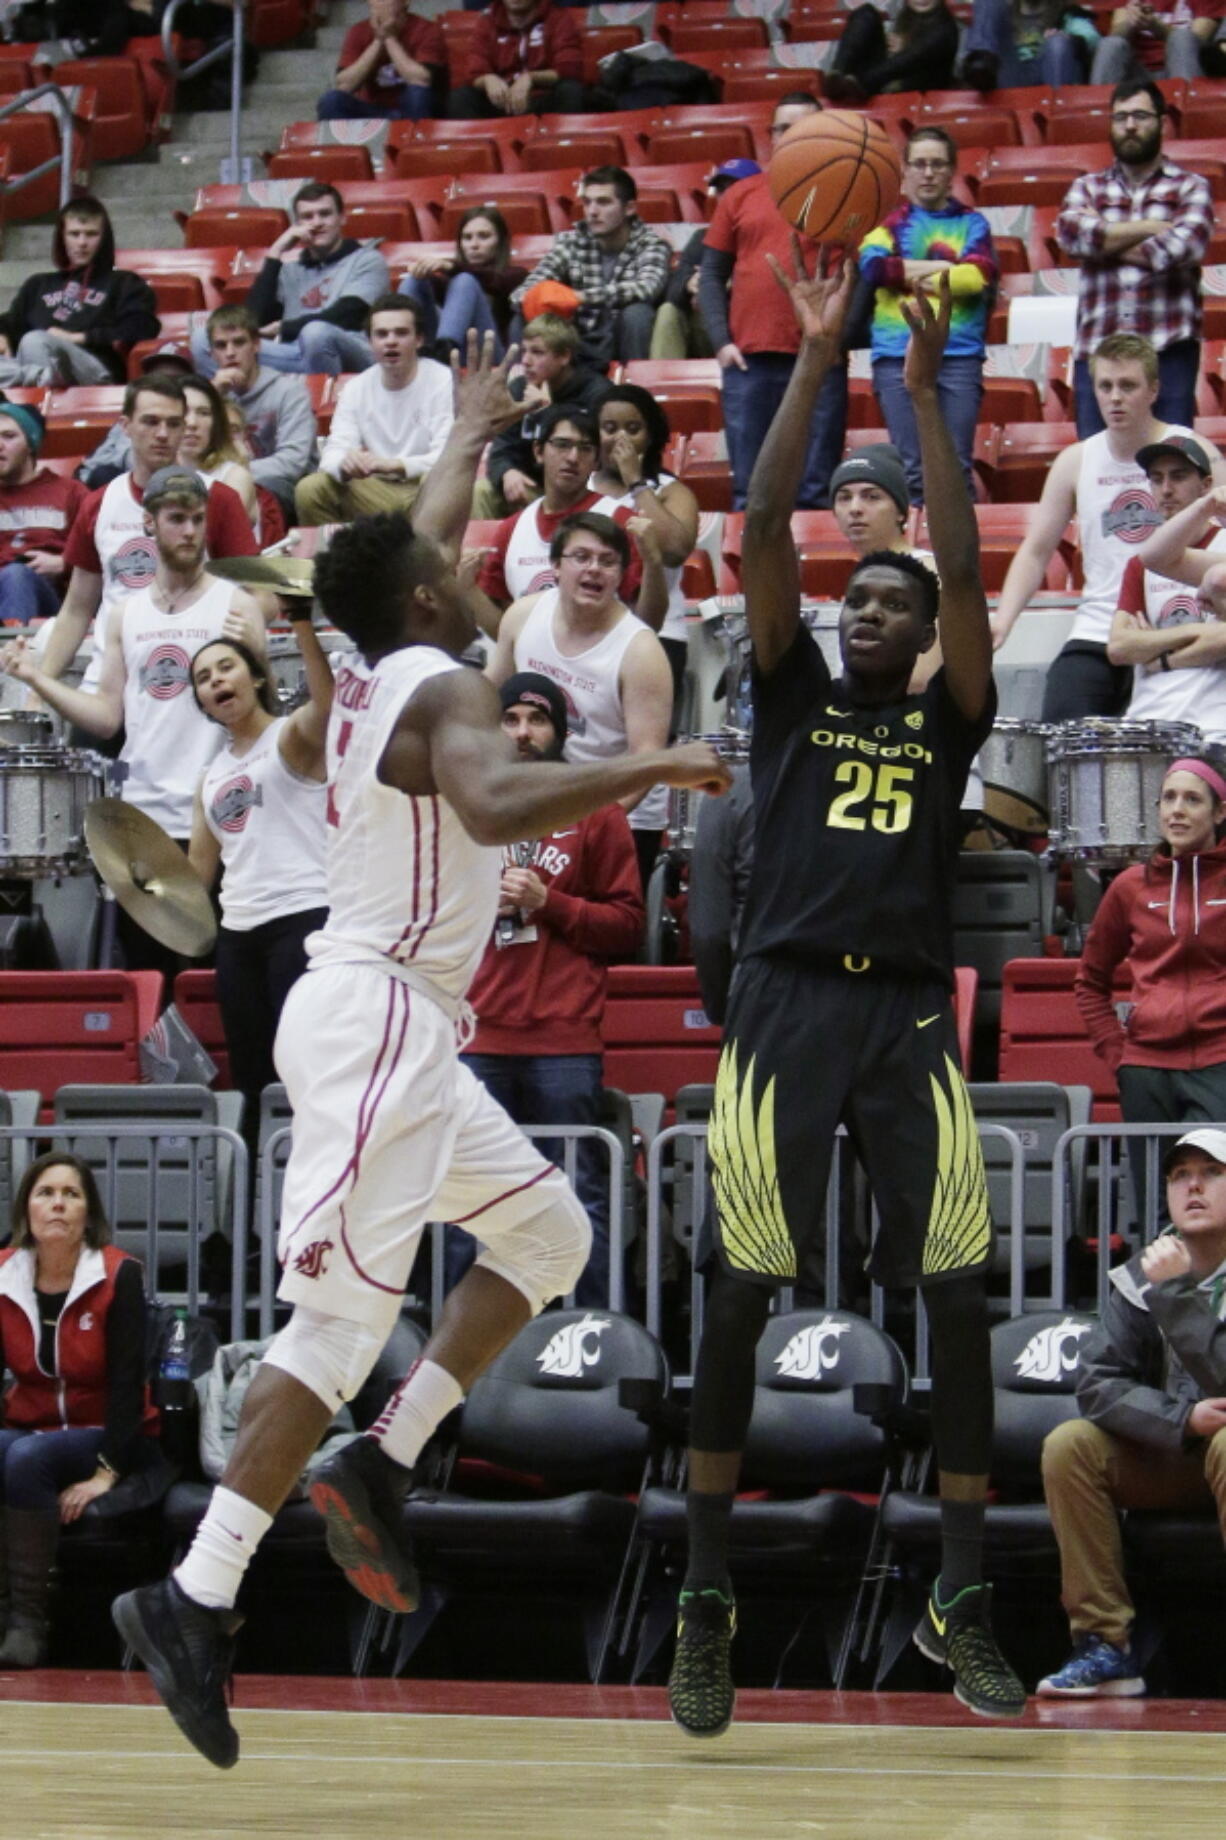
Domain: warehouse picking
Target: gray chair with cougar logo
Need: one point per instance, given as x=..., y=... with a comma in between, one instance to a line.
x=1035, y=1359
x=545, y=1466
x=814, y=1467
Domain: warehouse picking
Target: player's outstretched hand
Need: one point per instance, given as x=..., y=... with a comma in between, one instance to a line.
x=697, y=765
x=929, y=323
x=821, y=303
x=481, y=393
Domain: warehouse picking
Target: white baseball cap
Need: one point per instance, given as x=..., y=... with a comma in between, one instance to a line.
x=1209, y=1138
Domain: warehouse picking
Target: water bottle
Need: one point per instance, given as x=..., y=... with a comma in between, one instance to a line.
x=174, y=1390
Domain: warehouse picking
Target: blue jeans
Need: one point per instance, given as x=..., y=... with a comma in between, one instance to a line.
x=550, y=1089
x=26, y=595
x=751, y=398
x=320, y=347
x=465, y=304
x=1178, y=370
x=959, y=392
x=410, y=102
x=991, y=29
x=36, y=1465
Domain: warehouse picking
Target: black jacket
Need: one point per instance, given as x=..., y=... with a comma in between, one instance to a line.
x=114, y=310
x=513, y=447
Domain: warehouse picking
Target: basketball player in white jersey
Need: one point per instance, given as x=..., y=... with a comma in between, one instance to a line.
x=109, y=550
x=390, y=1130
x=1098, y=482
x=612, y=669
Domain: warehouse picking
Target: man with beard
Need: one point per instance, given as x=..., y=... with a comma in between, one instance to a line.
x=570, y=903
x=1140, y=230
x=144, y=682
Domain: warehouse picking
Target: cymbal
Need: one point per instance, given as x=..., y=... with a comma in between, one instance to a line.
x=150, y=877
x=292, y=575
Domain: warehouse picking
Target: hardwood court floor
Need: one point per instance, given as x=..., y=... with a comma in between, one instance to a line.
x=88, y=1757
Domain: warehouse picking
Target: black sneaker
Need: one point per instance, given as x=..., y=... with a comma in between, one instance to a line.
x=960, y=1637
x=701, y=1695
x=360, y=1493
x=189, y=1652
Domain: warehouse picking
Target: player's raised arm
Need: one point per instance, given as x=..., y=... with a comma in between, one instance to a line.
x=451, y=731
x=770, y=570
x=966, y=637
x=484, y=406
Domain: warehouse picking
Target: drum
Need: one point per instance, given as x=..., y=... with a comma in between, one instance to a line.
x=684, y=801
x=43, y=795
x=1013, y=765
x=1105, y=779
x=822, y=622
x=25, y=728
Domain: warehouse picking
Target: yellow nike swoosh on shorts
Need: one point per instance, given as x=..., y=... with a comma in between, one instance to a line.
x=921, y=1022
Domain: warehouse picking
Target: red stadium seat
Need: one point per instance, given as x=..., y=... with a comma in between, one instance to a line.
x=63, y=1027
x=327, y=163
x=422, y=159
x=601, y=42
x=172, y=272
x=1024, y=457
x=687, y=389
x=550, y=151
x=122, y=128
x=713, y=144
x=79, y=418
x=656, y=1034
x=244, y=227
x=1042, y=1036
x=706, y=471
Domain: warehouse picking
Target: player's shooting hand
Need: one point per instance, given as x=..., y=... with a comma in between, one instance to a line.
x=696, y=764
x=481, y=393
x=1166, y=1257
x=523, y=889
x=821, y=303
x=929, y=325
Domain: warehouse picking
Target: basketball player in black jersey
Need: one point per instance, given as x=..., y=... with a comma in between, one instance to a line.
x=840, y=1009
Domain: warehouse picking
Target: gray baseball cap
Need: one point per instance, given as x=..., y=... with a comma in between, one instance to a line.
x=175, y=482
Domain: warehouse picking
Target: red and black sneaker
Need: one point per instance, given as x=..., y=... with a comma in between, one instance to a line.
x=360, y=1493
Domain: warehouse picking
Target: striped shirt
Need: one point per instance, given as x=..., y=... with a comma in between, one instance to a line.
x=1154, y=287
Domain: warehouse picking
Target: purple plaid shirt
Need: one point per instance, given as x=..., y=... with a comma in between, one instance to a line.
x=1154, y=287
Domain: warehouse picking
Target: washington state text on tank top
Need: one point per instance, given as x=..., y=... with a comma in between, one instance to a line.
x=596, y=724
x=269, y=822
x=1115, y=515
x=407, y=886
x=169, y=741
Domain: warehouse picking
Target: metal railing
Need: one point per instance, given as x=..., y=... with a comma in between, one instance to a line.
x=232, y=48
x=1109, y=1168
x=166, y=1137
x=63, y=108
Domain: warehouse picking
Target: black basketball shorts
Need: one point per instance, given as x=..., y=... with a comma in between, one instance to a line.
x=806, y=1050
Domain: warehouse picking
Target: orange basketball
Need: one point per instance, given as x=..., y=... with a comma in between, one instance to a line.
x=835, y=175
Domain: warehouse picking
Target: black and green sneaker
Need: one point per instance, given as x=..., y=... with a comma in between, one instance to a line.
x=701, y=1695
x=959, y=1635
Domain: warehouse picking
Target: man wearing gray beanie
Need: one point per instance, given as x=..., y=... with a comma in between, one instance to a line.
x=37, y=508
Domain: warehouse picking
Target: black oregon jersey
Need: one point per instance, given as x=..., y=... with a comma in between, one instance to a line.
x=856, y=820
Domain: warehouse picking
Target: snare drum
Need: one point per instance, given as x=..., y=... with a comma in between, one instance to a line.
x=25, y=728
x=684, y=801
x=1013, y=765
x=43, y=795
x=1105, y=779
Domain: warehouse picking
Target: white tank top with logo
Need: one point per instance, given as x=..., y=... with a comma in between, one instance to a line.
x=128, y=556
x=169, y=741
x=1115, y=515
x=269, y=822
x=407, y=886
x=526, y=565
x=674, y=626
x=589, y=681
x=1196, y=695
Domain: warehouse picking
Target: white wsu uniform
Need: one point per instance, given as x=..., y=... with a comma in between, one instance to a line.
x=391, y=1130
x=1197, y=694
x=168, y=741
x=269, y=822
x=595, y=722
x=128, y=555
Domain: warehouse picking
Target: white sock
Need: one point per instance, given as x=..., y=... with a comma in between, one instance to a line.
x=416, y=1409
x=222, y=1550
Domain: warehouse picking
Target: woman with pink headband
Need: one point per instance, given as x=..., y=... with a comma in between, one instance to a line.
x=1167, y=919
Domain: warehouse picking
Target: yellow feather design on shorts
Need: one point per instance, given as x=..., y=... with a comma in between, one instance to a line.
x=959, y=1224
x=745, y=1174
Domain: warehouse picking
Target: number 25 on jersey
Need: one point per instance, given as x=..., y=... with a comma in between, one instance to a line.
x=879, y=796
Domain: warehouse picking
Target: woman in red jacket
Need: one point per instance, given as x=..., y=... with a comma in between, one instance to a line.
x=77, y=1415
x=1167, y=919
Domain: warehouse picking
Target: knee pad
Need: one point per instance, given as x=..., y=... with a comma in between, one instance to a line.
x=329, y=1355
x=544, y=1256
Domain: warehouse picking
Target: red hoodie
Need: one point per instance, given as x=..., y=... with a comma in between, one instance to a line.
x=548, y=41
x=548, y=996
x=1167, y=917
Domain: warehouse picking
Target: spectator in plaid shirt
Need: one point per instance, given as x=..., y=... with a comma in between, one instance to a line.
x=1140, y=231
x=616, y=267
